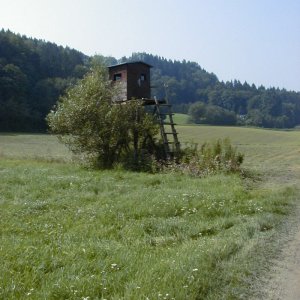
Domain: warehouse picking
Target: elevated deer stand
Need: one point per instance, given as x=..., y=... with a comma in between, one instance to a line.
x=134, y=81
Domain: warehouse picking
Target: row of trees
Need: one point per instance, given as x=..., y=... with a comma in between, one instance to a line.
x=272, y=108
x=235, y=103
x=33, y=73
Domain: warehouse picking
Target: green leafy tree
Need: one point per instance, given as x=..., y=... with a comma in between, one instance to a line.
x=197, y=112
x=105, y=132
x=216, y=115
x=200, y=113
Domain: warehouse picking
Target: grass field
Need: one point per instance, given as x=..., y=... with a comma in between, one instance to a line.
x=33, y=146
x=274, y=152
x=71, y=233
x=181, y=119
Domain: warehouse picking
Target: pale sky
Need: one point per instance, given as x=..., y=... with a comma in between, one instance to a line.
x=257, y=41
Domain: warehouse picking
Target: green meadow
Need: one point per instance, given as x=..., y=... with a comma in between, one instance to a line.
x=181, y=119
x=73, y=233
x=273, y=152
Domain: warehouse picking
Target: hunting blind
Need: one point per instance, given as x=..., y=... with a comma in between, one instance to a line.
x=133, y=79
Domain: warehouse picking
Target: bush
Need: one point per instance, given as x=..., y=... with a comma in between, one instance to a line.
x=219, y=156
x=101, y=131
x=201, y=113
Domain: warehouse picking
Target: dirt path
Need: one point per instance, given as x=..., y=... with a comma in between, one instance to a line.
x=283, y=282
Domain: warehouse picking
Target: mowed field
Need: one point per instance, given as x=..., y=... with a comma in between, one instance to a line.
x=33, y=146
x=274, y=152
x=265, y=150
x=72, y=233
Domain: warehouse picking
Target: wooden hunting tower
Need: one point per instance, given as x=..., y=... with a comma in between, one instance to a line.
x=134, y=83
x=134, y=80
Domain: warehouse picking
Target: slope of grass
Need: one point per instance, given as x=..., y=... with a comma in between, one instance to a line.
x=181, y=119
x=33, y=146
x=276, y=152
x=69, y=233
x=264, y=149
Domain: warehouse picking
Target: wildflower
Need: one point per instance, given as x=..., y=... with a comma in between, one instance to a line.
x=30, y=291
x=195, y=270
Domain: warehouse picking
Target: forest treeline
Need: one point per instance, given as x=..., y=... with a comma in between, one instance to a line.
x=193, y=90
x=33, y=73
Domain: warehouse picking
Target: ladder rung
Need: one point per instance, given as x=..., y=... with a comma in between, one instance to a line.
x=166, y=114
x=171, y=133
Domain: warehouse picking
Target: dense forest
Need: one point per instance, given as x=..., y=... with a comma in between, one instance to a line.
x=193, y=90
x=33, y=73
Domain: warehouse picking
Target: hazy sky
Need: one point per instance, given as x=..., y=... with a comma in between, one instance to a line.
x=257, y=41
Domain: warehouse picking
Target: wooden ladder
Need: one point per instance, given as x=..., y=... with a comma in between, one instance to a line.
x=164, y=114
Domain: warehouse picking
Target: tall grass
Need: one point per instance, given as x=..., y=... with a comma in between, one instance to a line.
x=69, y=233
x=214, y=157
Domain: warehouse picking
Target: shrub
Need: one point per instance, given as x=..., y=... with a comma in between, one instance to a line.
x=103, y=132
x=201, y=113
x=218, y=156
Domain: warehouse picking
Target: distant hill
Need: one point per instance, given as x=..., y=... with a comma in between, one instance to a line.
x=186, y=84
x=33, y=73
